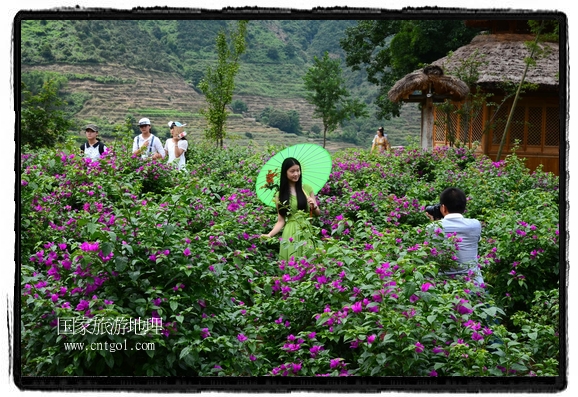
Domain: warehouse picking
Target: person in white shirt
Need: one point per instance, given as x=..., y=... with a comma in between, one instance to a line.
x=177, y=145
x=93, y=148
x=146, y=144
x=452, y=206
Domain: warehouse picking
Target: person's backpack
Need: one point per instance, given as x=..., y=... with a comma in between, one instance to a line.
x=100, y=146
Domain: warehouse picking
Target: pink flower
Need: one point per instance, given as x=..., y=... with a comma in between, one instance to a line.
x=426, y=286
x=371, y=339
x=187, y=252
x=241, y=338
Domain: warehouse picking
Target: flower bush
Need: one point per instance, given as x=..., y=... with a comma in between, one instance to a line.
x=133, y=252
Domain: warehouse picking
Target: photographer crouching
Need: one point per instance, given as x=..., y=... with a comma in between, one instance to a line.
x=450, y=210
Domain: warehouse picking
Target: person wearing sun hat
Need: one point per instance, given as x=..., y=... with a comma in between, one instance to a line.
x=146, y=144
x=93, y=148
x=177, y=145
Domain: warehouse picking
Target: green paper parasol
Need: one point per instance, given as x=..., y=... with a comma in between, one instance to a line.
x=316, y=166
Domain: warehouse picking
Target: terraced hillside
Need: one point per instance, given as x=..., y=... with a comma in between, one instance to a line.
x=158, y=91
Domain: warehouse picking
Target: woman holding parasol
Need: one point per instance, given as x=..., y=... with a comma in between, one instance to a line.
x=305, y=169
x=293, y=197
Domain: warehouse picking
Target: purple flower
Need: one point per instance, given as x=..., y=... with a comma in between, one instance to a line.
x=242, y=338
x=187, y=252
x=334, y=362
x=477, y=337
x=426, y=286
x=205, y=333
x=356, y=307
x=82, y=306
x=419, y=348
x=86, y=246
x=314, y=350
x=437, y=350
x=370, y=339
x=433, y=373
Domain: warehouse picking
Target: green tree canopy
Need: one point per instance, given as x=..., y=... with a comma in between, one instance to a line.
x=43, y=122
x=219, y=81
x=390, y=49
x=327, y=93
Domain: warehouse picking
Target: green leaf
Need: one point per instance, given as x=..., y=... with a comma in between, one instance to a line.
x=185, y=352
x=169, y=229
x=106, y=248
x=120, y=263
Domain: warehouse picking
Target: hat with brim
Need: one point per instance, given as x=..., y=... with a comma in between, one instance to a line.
x=91, y=127
x=144, y=121
x=175, y=124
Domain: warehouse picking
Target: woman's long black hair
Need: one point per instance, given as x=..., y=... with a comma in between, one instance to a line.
x=284, y=193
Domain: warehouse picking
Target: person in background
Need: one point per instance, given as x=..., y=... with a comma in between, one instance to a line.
x=93, y=148
x=380, y=141
x=293, y=197
x=176, y=146
x=452, y=205
x=146, y=144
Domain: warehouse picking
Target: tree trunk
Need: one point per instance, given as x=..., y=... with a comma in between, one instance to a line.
x=513, y=108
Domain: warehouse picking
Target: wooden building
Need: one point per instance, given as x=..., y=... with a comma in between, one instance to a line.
x=537, y=122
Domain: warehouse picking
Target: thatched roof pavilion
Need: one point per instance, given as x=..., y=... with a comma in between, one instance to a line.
x=503, y=55
x=428, y=86
x=429, y=80
x=538, y=117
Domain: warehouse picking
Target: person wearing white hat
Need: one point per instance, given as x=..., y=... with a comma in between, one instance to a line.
x=177, y=145
x=146, y=144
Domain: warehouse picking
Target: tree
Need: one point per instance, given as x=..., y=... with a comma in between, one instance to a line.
x=238, y=106
x=390, y=49
x=327, y=93
x=43, y=122
x=219, y=81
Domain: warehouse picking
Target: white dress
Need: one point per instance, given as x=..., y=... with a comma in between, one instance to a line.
x=170, y=149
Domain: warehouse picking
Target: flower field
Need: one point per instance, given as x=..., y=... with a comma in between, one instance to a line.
x=125, y=253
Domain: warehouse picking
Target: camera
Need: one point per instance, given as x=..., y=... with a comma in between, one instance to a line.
x=434, y=211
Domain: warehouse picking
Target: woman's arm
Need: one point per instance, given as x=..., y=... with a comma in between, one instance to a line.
x=277, y=228
x=159, y=147
x=178, y=150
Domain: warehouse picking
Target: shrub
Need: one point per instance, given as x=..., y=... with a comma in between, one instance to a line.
x=111, y=242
